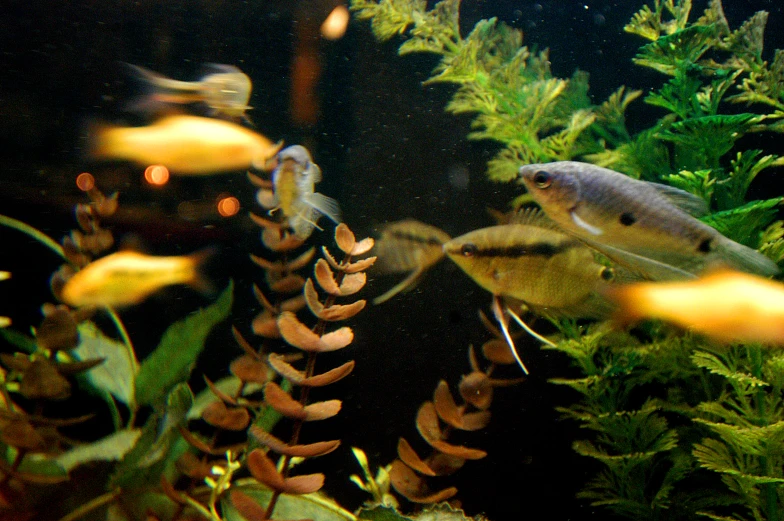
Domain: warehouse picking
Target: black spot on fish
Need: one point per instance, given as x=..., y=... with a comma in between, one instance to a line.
x=705, y=246
x=607, y=274
x=468, y=249
x=627, y=219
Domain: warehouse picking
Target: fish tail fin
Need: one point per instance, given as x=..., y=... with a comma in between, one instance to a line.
x=101, y=141
x=205, y=271
x=738, y=256
x=628, y=300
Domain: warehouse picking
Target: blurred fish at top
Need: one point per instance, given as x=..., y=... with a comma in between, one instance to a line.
x=648, y=227
x=407, y=246
x=225, y=91
x=293, y=184
x=186, y=145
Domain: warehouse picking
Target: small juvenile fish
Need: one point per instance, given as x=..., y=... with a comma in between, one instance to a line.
x=726, y=305
x=293, y=184
x=126, y=278
x=550, y=271
x=407, y=246
x=186, y=145
x=225, y=90
x=647, y=227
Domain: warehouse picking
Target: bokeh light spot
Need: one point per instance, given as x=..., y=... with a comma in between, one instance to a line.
x=85, y=181
x=334, y=26
x=156, y=175
x=228, y=206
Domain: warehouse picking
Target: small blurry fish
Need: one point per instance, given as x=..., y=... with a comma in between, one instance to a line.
x=407, y=246
x=534, y=262
x=647, y=227
x=225, y=90
x=293, y=183
x=5, y=321
x=186, y=145
x=725, y=305
x=126, y=278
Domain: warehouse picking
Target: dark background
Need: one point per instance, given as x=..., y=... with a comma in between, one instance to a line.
x=387, y=150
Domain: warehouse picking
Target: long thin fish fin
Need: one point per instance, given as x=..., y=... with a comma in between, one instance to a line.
x=746, y=259
x=648, y=268
x=689, y=203
x=325, y=205
x=499, y=316
x=528, y=329
x=405, y=284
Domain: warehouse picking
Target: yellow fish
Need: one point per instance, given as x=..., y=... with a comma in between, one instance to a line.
x=5, y=321
x=186, y=145
x=225, y=90
x=407, y=246
x=728, y=306
x=126, y=278
x=647, y=227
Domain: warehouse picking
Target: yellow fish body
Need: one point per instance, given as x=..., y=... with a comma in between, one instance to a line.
x=126, y=278
x=726, y=305
x=644, y=226
x=549, y=271
x=225, y=91
x=186, y=145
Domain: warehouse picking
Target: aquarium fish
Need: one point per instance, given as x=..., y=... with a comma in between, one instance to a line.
x=728, y=306
x=645, y=226
x=5, y=321
x=186, y=145
x=126, y=278
x=293, y=184
x=225, y=90
x=407, y=246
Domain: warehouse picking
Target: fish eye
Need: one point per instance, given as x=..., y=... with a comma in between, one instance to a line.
x=542, y=179
x=607, y=274
x=468, y=249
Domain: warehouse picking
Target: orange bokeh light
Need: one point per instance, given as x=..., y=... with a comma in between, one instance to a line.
x=228, y=206
x=156, y=175
x=334, y=26
x=85, y=181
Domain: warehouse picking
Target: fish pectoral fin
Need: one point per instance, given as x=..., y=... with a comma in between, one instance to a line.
x=689, y=203
x=593, y=230
x=648, y=268
x=498, y=313
x=406, y=284
x=324, y=205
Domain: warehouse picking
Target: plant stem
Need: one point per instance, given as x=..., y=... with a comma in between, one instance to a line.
x=104, y=499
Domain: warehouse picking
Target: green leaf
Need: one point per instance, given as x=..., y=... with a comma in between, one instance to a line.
x=668, y=53
x=745, y=223
x=36, y=464
x=19, y=340
x=316, y=507
x=111, y=448
x=115, y=374
x=381, y=513
x=172, y=360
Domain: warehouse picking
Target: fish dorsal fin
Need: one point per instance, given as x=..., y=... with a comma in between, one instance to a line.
x=689, y=203
x=646, y=267
x=533, y=216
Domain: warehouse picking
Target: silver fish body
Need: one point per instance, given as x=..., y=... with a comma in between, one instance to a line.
x=647, y=227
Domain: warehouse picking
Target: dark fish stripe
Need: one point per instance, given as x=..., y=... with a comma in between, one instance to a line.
x=407, y=236
x=540, y=249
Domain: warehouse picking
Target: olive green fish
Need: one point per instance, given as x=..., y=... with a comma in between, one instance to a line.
x=647, y=227
x=532, y=261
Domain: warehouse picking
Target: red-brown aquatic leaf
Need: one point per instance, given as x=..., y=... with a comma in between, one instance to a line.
x=244, y=344
x=322, y=410
x=73, y=254
x=200, y=444
x=282, y=402
x=407, y=454
x=288, y=284
x=352, y=283
x=22, y=435
x=345, y=238
x=306, y=484
x=263, y=300
x=498, y=352
x=337, y=339
x=265, y=324
x=247, y=506
x=427, y=423
x=37, y=419
x=458, y=451
x=171, y=492
x=476, y=389
x=360, y=265
x=312, y=297
x=249, y=369
x=325, y=277
x=449, y=411
x=330, y=259
x=473, y=421
x=57, y=331
x=293, y=304
x=413, y=487
x=194, y=467
x=259, y=182
x=229, y=418
x=42, y=380
x=363, y=246
x=302, y=260
x=310, y=450
x=104, y=206
x=444, y=464
x=298, y=377
x=264, y=264
x=271, y=239
x=337, y=312
x=263, y=469
x=266, y=223
x=16, y=361
x=220, y=394
x=298, y=335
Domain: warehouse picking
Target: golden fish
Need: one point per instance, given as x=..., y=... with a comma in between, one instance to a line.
x=226, y=90
x=645, y=226
x=407, y=246
x=549, y=271
x=293, y=185
x=186, y=145
x=726, y=305
x=5, y=321
x=126, y=278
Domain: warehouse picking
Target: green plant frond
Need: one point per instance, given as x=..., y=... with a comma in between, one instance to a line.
x=745, y=224
x=561, y=146
x=747, y=42
x=745, y=168
x=389, y=18
x=700, y=183
x=611, y=117
x=715, y=365
x=650, y=23
x=714, y=15
x=710, y=96
x=436, y=30
x=504, y=166
x=669, y=53
x=679, y=95
x=772, y=242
